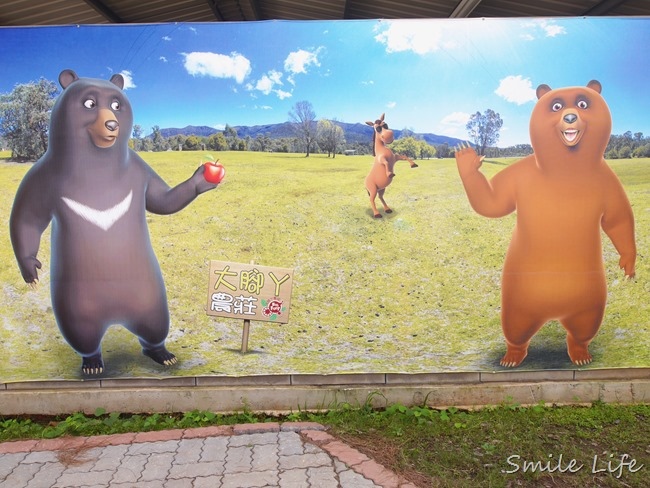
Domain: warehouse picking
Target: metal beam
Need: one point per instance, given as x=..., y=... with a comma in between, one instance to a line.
x=346, y=5
x=106, y=12
x=215, y=10
x=464, y=8
x=255, y=8
x=604, y=7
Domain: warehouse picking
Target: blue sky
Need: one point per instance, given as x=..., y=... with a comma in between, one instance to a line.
x=426, y=75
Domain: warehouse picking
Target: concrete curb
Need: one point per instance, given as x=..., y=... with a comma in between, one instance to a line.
x=287, y=393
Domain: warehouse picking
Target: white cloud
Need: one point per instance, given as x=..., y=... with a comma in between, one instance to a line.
x=128, y=79
x=166, y=38
x=548, y=29
x=297, y=62
x=516, y=89
x=453, y=124
x=283, y=94
x=551, y=29
x=163, y=59
x=391, y=105
x=217, y=65
x=268, y=84
x=421, y=37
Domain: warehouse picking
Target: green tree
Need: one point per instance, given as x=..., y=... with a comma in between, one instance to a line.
x=483, y=129
x=137, y=135
x=217, y=142
x=192, y=143
x=231, y=136
x=443, y=150
x=159, y=142
x=176, y=142
x=425, y=151
x=625, y=152
x=330, y=136
x=407, y=146
x=24, y=118
x=262, y=143
x=642, y=151
x=303, y=116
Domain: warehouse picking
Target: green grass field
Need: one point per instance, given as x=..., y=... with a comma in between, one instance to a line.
x=416, y=291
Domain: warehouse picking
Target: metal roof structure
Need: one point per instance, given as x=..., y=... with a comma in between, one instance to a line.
x=66, y=12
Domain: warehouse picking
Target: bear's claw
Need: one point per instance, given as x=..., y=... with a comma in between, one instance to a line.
x=91, y=365
x=161, y=355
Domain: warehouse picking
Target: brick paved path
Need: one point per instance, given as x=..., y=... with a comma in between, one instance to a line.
x=287, y=455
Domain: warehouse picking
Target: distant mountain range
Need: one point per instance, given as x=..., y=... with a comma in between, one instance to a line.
x=354, y=133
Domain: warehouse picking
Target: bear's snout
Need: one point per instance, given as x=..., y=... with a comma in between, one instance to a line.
x=105, y=129
x=570, y=118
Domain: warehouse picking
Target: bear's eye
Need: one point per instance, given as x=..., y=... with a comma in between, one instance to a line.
x=557, y=106
x=115, y=105
x=90, y=103
x=582, y=104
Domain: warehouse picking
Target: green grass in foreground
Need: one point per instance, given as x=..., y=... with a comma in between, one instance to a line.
x=501, y=446
x=417, y=291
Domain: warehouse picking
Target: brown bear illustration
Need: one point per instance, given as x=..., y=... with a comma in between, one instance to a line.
x=563, y=194
x=96, y=191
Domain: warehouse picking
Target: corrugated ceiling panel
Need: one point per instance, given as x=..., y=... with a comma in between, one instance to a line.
x=632, y=7
x=540, y=8
x=386, y=9
x=21, y=12
x=31, y=12
x=161, y=10
x=301, y=10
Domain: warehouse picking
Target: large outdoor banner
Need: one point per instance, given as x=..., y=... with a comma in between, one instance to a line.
x=424, y=195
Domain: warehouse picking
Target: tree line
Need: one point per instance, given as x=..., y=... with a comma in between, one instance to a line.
x=24, y=122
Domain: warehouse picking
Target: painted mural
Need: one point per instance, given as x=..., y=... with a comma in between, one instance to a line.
x=518, y=159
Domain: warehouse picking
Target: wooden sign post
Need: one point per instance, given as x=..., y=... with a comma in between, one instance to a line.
x=249, y=292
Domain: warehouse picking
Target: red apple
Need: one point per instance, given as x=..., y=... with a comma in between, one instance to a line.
x=213, y=171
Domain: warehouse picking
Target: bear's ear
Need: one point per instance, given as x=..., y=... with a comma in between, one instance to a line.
x=118, y=80
x=595, y=85
x=66, y=77
x=542, y=90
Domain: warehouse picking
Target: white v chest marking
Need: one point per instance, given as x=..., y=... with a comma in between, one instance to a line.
x=103, y=219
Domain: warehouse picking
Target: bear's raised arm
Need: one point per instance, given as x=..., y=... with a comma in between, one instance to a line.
x=490, y=198
x=163, y=199
x=29, y=219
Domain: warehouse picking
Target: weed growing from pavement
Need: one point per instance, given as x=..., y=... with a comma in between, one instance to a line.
x=504, y=445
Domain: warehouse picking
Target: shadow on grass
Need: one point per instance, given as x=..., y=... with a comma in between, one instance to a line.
x=383, y=214
x=250, y=351
x=540, y=357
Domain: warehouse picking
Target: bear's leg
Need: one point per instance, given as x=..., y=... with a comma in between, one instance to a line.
x=158, y=353
x=581, y=329
x=152, y=329
x=518, y=330
x=81, y=325
x=86, y=341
